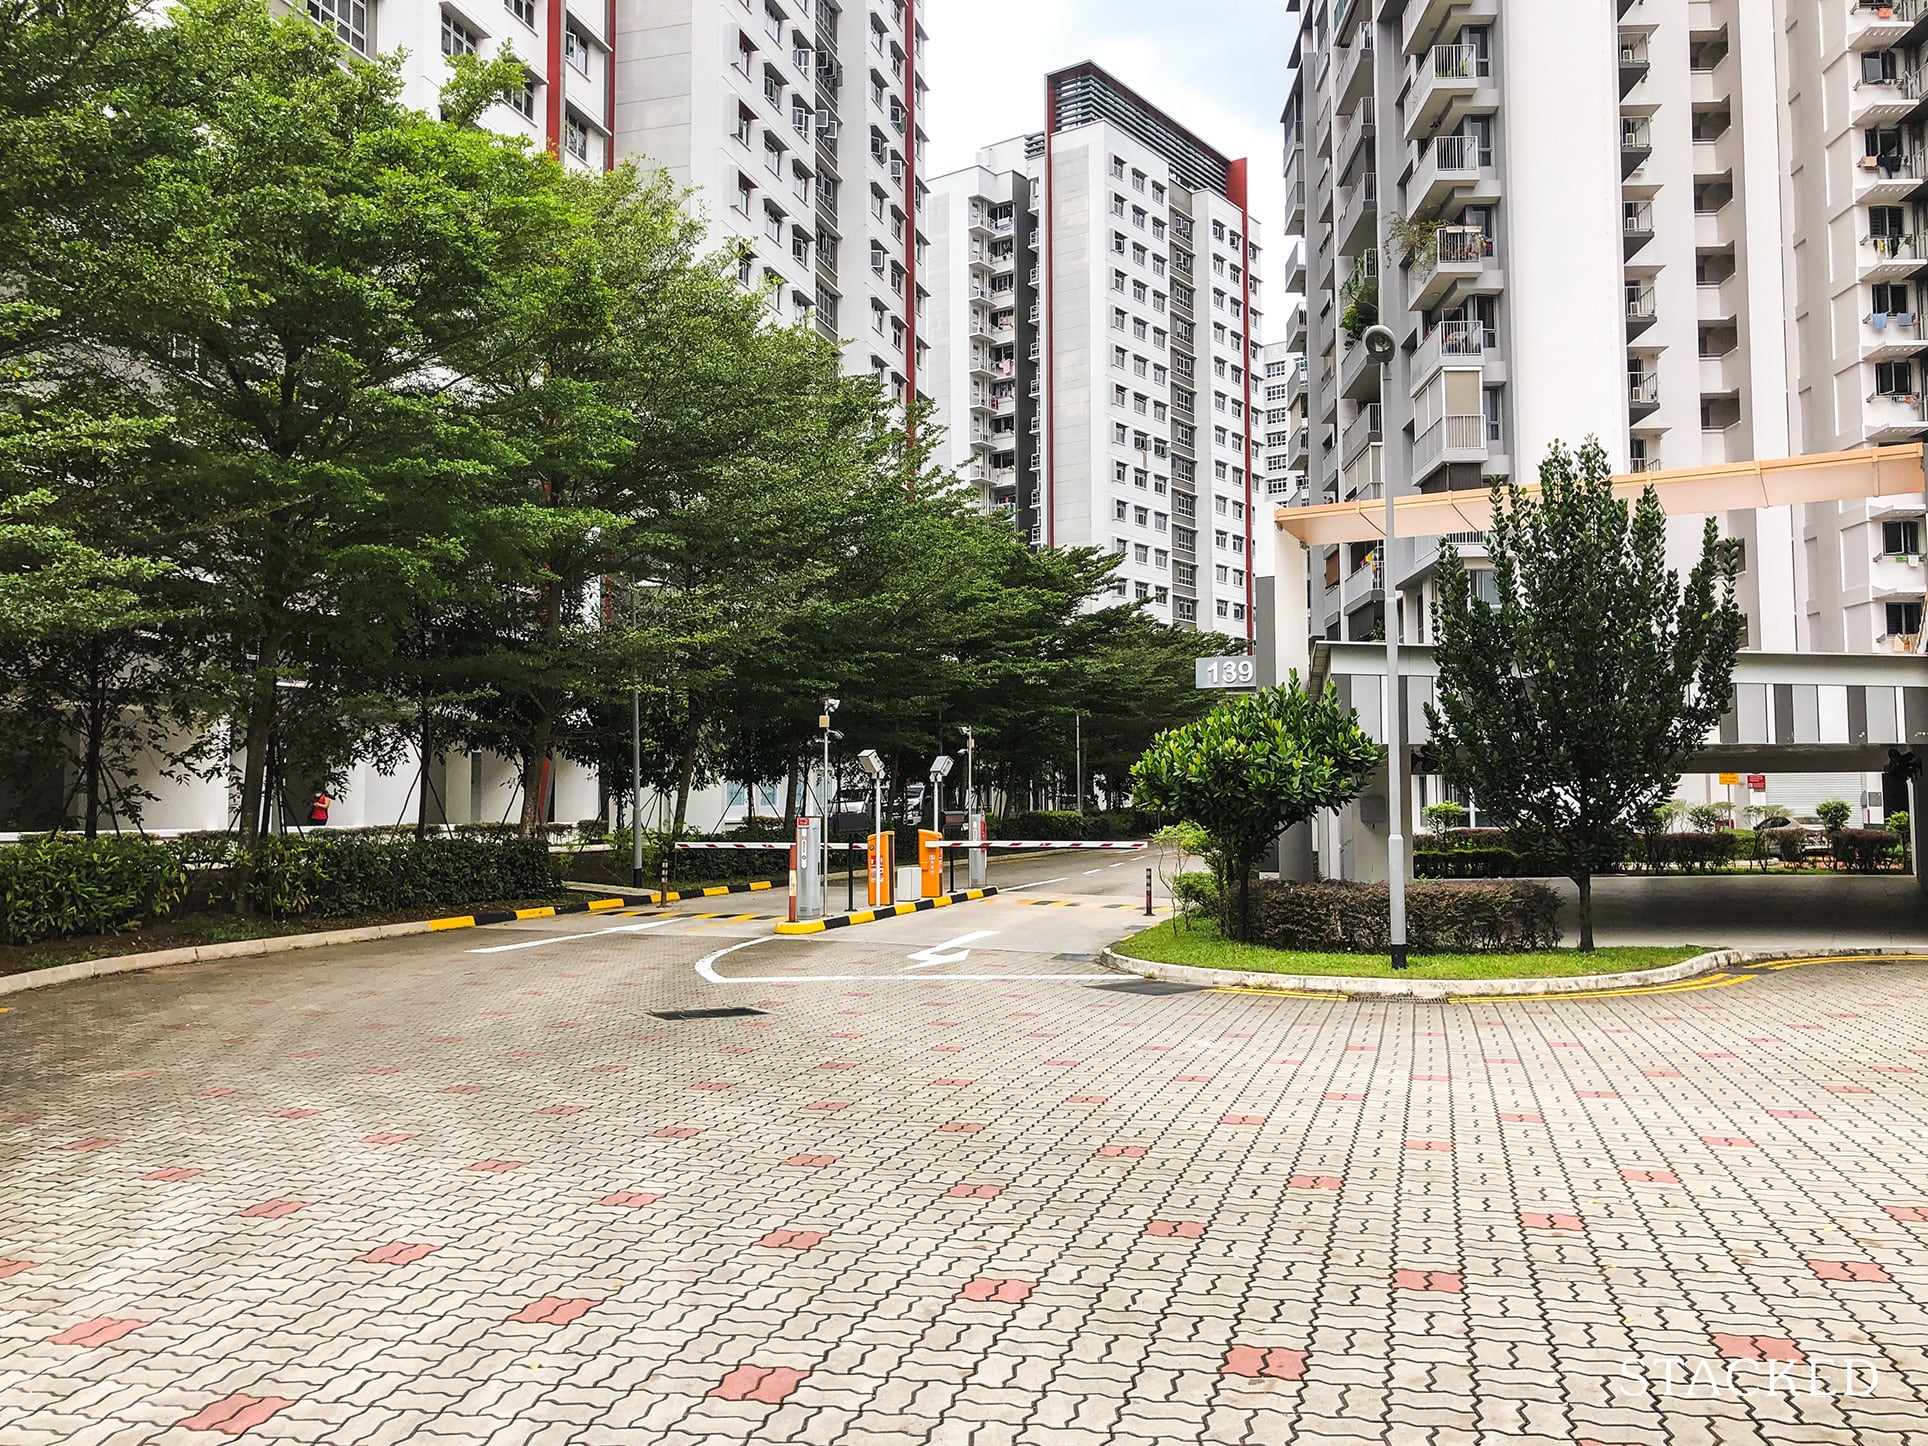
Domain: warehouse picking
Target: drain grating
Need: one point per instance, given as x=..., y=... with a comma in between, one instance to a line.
x=1147, y=986
x=704, y=1013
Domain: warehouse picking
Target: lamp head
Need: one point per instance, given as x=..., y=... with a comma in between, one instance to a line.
x=940, y=767
x=1380, y=344
x=871, y=763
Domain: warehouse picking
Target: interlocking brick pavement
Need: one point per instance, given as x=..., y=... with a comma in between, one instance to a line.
x=380, y=1194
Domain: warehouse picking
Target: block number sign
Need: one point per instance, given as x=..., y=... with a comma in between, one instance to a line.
x=1226, y=673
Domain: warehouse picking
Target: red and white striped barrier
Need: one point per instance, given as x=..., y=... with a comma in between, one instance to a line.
x=1038, y=844
x=785, y=845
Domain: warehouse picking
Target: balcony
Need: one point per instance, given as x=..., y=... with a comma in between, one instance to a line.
x=1890, y=179
x=1892, y=258
x=1457, y=253
x=1455, y=439
x=1879, y=102
x=1889, y=336
x=1363, y=586
x=1448, y=78
x=1450, y=344
x=1355, y=70
x=1364, y=430
x=1882, y=24
x=1640, y=309
x=1425, y=19
x=1358, y=374
x=1365, y=474
x=1643, y=396
x=1427, y=551
x=1895, y=417
x=1450, y=163
x=1356, y=131
x=1637, y=225
x=1636, y=143
x=1634, y=62
x=1359, y=214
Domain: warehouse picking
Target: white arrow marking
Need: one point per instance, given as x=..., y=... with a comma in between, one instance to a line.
x=948, y=952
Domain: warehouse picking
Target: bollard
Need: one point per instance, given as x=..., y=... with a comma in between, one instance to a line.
x=1148, y=912
x=663, y=898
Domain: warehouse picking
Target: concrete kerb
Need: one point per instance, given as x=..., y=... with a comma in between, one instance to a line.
x=286, y=943
x=1437, y=989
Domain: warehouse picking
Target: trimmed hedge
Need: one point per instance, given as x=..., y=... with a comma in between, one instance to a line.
x=60, y=886
x=1688, y=852
x=1069, y=826
x=1865, y=850
x=1477, y=861
x=334, y=877
x=1460, y=918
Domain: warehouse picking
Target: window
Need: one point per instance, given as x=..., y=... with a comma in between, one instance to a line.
x=1117, y=281
x=1118, y=433
x=1901, y=539
x=524, y=100
x=1141, y=516
x=773, y=85
x=1119, y=510
x=1118, y=242
x=773, y=220
x=1117, y=205
x=1139, y=217
x=1904, y=619
x=1142, y=590
x=1117, y=396
x=523, y=10
x=800, y=245
x=744, y=190
x=1118, y=357
x=1117, y=168
x=575, y=48
x=1891, y=299
x=457, y=38
x=1119, y=471
x=1138, y=327
x=745, y=52
x=1894, y=378
x=1141, y=552
x=1137, y=180
x=1140, y=292
x=1117, y=318
x=745, y=119
x=575, y=138
x=1139, y=478
x=347, y=18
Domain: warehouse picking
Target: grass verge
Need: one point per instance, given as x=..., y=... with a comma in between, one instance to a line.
x=1201, y=945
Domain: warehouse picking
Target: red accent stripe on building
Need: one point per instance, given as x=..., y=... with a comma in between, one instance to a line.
x=552, y=113
x=1049, y=480
x=910, y=212
x=1235, y=187
x=609, y=91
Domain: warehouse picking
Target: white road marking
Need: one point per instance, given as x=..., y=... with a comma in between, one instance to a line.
x=706, y=968
x=1034, y=884
x=1091, y=871
x=574, y=938
x=948, y=952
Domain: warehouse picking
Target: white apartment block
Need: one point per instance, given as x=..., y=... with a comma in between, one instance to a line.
x=1693, y=228
x=564, y=45
x=797, y=125
x=1099, y=322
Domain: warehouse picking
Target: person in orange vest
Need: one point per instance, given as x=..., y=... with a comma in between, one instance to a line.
x=318, y=810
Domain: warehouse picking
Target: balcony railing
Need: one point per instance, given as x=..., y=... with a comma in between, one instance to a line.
x=1460, y=432
x=1460, y=338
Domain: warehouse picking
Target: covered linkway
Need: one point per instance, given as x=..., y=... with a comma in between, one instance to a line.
x=1793, y=712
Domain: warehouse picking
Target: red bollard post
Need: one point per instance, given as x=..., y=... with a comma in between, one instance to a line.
x=1148, y=912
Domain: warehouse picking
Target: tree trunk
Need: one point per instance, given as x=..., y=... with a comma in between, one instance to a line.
x=790, y=797
x=261, y=720
x=1585, y=882
x=1245, y=905
x=535, y=775
x=421, y=803
x=685, y=775
x=96, y=733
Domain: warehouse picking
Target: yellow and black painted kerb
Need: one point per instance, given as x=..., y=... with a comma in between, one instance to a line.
x=871, y=916
x=590, y=906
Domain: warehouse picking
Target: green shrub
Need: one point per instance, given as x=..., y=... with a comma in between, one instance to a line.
x=335, y=876
x=1198, y=892
x=59, y=886
x=1789, y=844
x=1898, y=825
x=1709, y=817
x=1440, y=918
x=1863, y=850
x=1442, y=817
x=1834, y=813
x=1469, y=861
x=1687, y=852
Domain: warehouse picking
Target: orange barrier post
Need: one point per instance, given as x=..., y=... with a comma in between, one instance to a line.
x=930, y=861
x=883, y=870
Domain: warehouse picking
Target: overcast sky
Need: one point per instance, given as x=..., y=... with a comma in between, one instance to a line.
x=1218, y=67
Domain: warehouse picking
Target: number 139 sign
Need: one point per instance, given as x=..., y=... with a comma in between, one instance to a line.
x=1226, y=673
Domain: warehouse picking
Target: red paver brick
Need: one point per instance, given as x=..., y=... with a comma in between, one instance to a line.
x=1005, y=1292
x=397, y=1253
x=1737, y=1142
x=1793, y=1114
x=273, y=1209
x=1651, y=1177
x=1522, y=1119
x=1258, y=1362
x=837, y=1064
x=768, y=1385
x=1243, y=1119
x=974, y=1192
x=1122, y=1152
x=1907, y=1212
x=215, y=1092
x=1179, y=1229
x=677, y=1132
x=236, y=1414
x=1849, y=1090
x=1536, y=1220
x=97, y=1142
x=811, y=1162
x=14, y=1267
x=960, y=1127
x=553, y=1310
x=792, y=1239
x=96, y=1332
x=629, y=1199
x=1314, y=1182
x=1341, y=1095
x=1757, y=1348
x=1848, y=1270
x=1443, y=1281
x=1442, y=1146
x=952, y=1082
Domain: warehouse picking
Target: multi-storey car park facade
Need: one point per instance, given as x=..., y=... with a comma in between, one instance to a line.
x=798, y=124
x=1688, y=227
x=1098, y=332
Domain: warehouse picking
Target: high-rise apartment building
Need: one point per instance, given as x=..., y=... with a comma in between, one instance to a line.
x=563, y=44
x=1097, y=336
x=797, y=123
x=1692, y=228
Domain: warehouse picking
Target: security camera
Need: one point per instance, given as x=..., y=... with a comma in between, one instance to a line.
x=1380, y=344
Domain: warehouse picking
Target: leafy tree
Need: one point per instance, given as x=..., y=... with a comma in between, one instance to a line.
x=1442, y=818
x=1834, y=813
x=1252, y=768
x=1569, y=708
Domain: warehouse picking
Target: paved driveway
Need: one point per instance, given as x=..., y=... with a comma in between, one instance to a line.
x=919, y=1187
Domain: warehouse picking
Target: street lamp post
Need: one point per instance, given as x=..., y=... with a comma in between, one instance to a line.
x=1380, y=345
x=824, y=790
x=970, y=771
x=636, y=787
